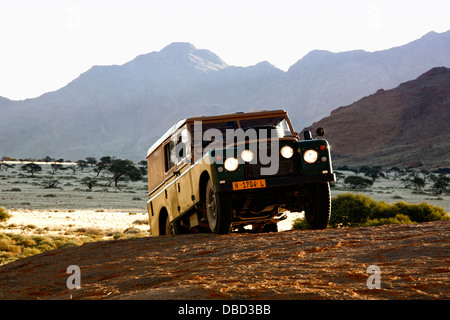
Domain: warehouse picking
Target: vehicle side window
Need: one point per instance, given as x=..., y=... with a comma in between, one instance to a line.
x=168, y=155
x=178, y=149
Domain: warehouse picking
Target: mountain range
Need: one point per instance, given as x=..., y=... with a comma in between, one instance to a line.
x=121, y=110
x=407, y=125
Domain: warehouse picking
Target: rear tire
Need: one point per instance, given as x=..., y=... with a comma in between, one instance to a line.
x=170, y=228
x=218, y=210
x=318, y=208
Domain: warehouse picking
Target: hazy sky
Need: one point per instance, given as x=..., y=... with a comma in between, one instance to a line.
x=47, y=43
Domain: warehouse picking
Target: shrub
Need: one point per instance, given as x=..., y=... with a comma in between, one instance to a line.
x=131, y=230
x=421, y=212
x=300, y=224
x=14, y=246
x=72, y=243
x=4, y=215
x=29, y=252
x=8, y=246
x=349, y=210
x=141, y=222
x=398, y=219
x=27, y=242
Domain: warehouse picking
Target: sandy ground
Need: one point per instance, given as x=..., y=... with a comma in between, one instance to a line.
x=63, y=222
x=412, y=260
x=70, y=206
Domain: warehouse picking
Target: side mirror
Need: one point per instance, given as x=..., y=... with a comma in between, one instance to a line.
x=320, y=132
x=307, y=135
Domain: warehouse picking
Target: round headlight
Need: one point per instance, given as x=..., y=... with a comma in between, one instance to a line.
x=247, y=155
x=310, y=156
x=287, y=152
x=231, y=164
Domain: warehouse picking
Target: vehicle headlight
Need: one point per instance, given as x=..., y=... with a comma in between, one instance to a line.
x=310, y=156
x=231, y=164
x=247, y=155
x=287, y=152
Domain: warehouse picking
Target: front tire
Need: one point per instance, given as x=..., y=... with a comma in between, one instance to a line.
x=318, y=209
x=218, y=210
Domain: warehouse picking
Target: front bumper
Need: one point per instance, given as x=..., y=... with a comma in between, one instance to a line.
x=276, y=182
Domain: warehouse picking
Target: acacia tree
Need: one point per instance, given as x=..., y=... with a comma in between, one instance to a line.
x=124, y=169
x=31, y=168
x=355, y=182
x=419, y=183
x=103, y=164
x=90, y=182
x=441, y=183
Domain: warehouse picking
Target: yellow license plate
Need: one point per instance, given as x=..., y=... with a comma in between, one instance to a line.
x=249, y=184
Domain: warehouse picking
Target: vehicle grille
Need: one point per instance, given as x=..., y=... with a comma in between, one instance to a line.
x=254, y=170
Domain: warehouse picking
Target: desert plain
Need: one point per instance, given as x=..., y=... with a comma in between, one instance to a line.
x=71, y=206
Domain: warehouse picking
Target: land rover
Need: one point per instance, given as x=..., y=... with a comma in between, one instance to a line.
x=235, y=172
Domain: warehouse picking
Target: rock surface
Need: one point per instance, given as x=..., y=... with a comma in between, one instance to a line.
x=414, y=262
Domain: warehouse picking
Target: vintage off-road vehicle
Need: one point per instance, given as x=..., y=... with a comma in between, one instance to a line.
x=223, y=173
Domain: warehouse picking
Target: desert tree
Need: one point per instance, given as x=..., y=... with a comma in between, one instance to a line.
x=31, y=168
x=355, y=182
x=6, y=165
x=372, y=172
x=441, y=183
x=123, y=169
x=47, y=159
x=418, y=183
x=103, y=164
x=89, y=182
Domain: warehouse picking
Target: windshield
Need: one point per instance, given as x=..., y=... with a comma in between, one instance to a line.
x=213, y=134
x=278, y=123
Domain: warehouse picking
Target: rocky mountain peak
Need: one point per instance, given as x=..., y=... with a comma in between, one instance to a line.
x=407, y=124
